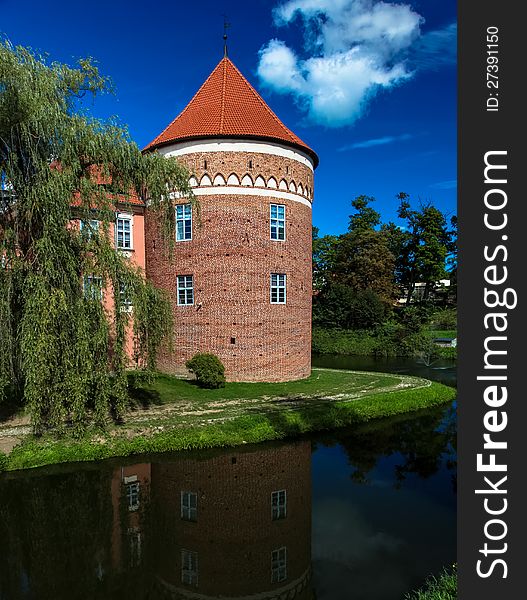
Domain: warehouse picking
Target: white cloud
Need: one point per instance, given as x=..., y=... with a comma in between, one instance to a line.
x=436, y=48
x=388, y=139
x=450, y=184
x=354, y=49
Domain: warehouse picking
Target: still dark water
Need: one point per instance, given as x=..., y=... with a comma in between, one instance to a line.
x=363, y=514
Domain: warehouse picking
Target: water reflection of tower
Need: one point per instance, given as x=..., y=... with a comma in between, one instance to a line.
x=236, y=525
x=130, y=494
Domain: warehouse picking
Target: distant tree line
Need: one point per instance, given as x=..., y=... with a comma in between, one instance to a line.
x=370, y=274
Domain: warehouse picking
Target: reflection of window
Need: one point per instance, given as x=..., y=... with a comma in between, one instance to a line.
x=279, y=565
x=278, y=505
x=126, y=301
x=185, y=289
x=123, y=232
x=189, y=506
x=277, y=288
x=89, y=228
x=189, y=567
x=277, y=222
x=132, y=495
x=134, y=539
x=183, y=222
x=92, y=287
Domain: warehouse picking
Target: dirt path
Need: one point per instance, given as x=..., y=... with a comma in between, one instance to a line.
x=184, y=414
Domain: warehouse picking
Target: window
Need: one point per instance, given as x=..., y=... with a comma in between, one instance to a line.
x=185, y=290
x=278, y=288
x=89, y=229
x=189, y=567
x=126, y=301
x=183, y=222
x=277, y=222
x=278, y=505
x=279, y=565
x=92, y=287
x=132, y=495
x=189, y=506
x=134, y=539
x=123, y=232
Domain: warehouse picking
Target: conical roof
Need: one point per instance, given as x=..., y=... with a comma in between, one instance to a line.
x=227, y=106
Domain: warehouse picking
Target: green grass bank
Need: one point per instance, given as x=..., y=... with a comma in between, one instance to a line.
x=443, y=587
x=387, y=341
x=171, y=414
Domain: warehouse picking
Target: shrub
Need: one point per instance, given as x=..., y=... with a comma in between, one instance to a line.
x=444, y=319
x=3, y=462
x=209, y=370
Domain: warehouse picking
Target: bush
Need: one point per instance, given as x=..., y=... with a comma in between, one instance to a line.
x=3, y=462
x=444, y=319
x=209, y=370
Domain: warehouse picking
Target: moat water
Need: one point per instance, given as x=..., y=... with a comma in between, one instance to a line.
x=362, y=514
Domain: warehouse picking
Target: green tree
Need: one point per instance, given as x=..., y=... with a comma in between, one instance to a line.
x=364, y=260
x=427, y=245
x=61, y=353
x=324, y=256
x=341, y=306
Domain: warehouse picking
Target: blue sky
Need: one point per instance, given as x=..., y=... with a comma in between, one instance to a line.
x=369, y=85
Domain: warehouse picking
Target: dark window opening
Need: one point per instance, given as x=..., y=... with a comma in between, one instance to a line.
x=233, y=340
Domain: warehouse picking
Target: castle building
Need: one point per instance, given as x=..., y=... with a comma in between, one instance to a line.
x=240, y=276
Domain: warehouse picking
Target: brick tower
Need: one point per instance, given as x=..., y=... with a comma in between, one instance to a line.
x=240, y=279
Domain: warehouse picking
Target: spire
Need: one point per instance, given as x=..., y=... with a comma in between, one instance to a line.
x=226, y=25
x=227, y=106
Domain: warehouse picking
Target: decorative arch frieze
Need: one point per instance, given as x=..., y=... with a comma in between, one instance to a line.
x=233, y=179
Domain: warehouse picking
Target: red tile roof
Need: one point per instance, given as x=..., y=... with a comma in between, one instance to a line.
x=227, y=105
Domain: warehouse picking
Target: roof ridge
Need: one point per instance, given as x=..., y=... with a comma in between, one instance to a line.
x=224, y=85
x=263, y=102
x=186, y=107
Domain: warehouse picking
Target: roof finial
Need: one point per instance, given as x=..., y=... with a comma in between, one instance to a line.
x=226, y=25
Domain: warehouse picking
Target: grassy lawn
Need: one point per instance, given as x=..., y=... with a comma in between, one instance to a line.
x=174, y=414
x=443, y=333
x=322, y=383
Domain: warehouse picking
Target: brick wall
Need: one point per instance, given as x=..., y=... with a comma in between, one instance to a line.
x=234, y=534
x=231, y=257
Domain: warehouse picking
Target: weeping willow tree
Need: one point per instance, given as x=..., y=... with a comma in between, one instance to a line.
x=62, y=349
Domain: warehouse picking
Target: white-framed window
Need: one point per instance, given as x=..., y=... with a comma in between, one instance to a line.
x=89, y=228
x=123, y=232
x=183, y=222
x=185, y=290
x=189, y=567
x=132, y=495
x=134, y=539
x=189, y=506
x=279, y=565
x=124, y=295
x=278, y=222
x=278, y=505
x=278, y=285
x=92, y=287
